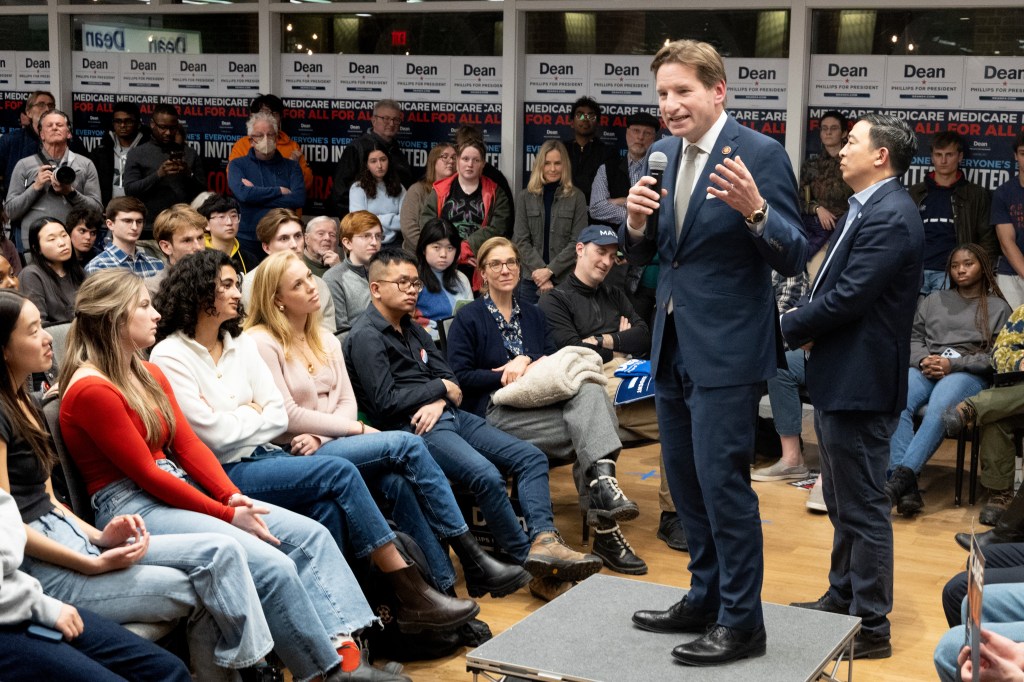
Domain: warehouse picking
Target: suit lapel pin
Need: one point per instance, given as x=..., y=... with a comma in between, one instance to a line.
x=726, y=150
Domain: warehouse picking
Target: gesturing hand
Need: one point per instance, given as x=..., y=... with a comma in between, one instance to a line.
x=736, y=186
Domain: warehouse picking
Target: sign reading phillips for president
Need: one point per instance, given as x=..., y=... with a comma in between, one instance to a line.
x=839, y=80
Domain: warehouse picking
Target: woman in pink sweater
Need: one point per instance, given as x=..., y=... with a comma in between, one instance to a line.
x=310, y=372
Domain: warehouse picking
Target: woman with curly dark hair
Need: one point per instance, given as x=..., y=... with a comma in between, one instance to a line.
x=230, y=399
x=379, y=191
x=52, y=279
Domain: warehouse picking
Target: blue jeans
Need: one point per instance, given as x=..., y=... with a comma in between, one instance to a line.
x=308, y=592
x=479, y=456
x=784, y=395
x=329, y=491
x=421, y=500
x=1002, y=612
x=934, y=280
x=104, y=652
x=911, y=449
x=181, y=576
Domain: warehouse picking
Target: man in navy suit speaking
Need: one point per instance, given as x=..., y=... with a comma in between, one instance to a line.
x=856, y=331
x=727, y=216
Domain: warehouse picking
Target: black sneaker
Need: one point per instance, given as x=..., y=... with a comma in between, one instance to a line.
x=616, y=553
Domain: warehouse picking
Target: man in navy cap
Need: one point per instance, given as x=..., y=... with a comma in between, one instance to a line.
x=584, y=311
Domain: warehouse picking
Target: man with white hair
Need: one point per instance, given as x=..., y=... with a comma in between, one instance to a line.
x=320, y=244
x=263, y=179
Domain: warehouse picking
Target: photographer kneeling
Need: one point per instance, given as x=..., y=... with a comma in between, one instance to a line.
x=53, y=181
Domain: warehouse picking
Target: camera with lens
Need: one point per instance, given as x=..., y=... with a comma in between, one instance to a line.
x=65, y=175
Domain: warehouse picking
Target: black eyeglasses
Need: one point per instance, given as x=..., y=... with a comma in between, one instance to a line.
x=405, y=285
x=495, y=266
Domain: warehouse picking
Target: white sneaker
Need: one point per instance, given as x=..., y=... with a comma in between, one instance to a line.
x=816, y=500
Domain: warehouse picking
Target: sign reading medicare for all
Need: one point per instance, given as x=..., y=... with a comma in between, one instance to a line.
x=96, y=38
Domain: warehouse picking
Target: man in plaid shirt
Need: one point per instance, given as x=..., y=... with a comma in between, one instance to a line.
x=126, y=217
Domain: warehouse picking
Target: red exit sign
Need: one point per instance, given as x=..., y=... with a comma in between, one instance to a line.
x=399, y=38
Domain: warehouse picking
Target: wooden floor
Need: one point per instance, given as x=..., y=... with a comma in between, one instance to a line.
x=797, y=544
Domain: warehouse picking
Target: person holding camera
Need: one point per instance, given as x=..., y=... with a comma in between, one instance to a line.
x=163, y=171
x=53, y=181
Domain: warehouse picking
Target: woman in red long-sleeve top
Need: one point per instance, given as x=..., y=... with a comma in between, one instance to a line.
x=138, y=455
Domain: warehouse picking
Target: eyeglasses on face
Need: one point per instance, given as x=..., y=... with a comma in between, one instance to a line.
x=393, y=120
x=586, y=117
x=495, y=266
x=405, y=285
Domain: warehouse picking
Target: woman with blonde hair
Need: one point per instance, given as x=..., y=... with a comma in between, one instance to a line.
x=310, y=373
x=551, y=214
x=139, y=456
x=440, y=165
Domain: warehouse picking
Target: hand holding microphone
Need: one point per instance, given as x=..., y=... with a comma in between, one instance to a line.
x=644, y=198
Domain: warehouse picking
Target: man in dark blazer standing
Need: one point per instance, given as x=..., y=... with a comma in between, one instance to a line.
x=730, y=215
x=856, y=331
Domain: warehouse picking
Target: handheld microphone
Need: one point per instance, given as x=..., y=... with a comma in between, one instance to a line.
x=656, y=164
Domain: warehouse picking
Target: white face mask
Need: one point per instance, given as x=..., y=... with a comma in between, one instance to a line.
x=266, y=146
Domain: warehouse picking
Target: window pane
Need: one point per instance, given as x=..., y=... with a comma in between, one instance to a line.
x=979, y=32
x=738, y=33
x=192, y=34
x=450, y=34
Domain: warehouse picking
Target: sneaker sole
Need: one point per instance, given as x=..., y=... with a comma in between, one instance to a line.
x=628, y=513
x=511, y=587
x=565, y=571
x=818, y=507
x=778, y=477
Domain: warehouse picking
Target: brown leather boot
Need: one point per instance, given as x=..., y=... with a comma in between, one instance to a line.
x=551, y=557
x=421, y=607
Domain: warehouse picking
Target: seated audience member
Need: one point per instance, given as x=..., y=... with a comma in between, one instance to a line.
x=16, y=144
x=126, y=218
x=385, y=126
x=228, y=395
x=221, y=213
x=996, y=413
x=163, y=171
x=552, y=213
x=52, y=279
x=361, y=235
x=584, y=311
x=493, y=342
x=281, y=230
x=824, y=192
x=178, y=231
x=52, y=181
x=954, y=211
x=1008, y=217
x=618, y=174
x=320, y=244
x=111, y=155
x=9, y=253
x=403, y=383
x=321, y=418
x=8, y=280
x=121, y=572
x=90, y=648
x=263, y=179
x=85, y=225
x=117, y=416
x=477, y=207
x=377, y=189
x=286, y=146
x=467, y=133
x=950, y=359
x=444, y=287
x=440, y=165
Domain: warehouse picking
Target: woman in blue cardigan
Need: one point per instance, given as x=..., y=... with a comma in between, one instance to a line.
x=495, y=340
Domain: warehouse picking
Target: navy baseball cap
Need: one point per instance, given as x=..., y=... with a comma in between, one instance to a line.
x=602, y=235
